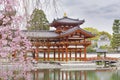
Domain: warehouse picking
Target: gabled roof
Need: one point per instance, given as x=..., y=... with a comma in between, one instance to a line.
x=65, y=21
x=72, y=30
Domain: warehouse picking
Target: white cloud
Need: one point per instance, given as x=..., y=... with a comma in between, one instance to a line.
x=99, y=14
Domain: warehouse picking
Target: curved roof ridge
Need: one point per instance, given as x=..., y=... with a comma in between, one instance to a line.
x=76, y=28
x=67, y=18
x=71, y=30
x=66, y=21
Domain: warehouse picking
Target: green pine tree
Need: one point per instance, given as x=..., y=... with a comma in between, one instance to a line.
x=115, y=43
x=38, y=21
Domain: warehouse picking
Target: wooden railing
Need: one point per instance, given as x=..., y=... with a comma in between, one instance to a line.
x=101, y=58
x=61, y=43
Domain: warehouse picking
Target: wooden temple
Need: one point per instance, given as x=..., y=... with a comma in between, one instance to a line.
x=68, y=42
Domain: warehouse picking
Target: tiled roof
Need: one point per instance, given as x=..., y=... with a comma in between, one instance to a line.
x=89, y=34
x=53, y=34
x=41, y=34
x=66, y=21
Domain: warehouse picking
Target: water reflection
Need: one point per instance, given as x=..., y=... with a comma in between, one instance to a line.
x=57, y=74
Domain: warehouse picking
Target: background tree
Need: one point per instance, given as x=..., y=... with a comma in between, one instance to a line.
x=94, y=40
x=97, y=33
x=115, y=43
x=92, y=47
x=38, y=21
x=93, y=31
x=105, y=33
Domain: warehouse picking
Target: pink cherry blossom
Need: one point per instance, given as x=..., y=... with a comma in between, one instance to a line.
x=1, y=16
x=13, y=42
x=1, y=1
x=4, y=42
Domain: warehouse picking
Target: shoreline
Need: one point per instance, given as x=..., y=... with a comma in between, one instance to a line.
x=72, y=66
x=66, y=66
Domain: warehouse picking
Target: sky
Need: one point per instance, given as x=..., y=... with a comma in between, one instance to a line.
x=99, y=14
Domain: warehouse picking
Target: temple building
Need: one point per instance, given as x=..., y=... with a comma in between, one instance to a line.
x=103, y=41
x=68, y=42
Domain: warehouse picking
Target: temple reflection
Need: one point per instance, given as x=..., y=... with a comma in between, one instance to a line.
x=57, y=74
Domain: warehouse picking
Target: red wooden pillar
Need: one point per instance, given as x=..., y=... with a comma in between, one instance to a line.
x=62, y=53
x=85, y=53
x=44, y=56
x=75, y=53
x=80, y=55
x=70, y=54
x=36, y=54
x=58, y=53
x=54, y=55
x=66, y=50
x=48, y=53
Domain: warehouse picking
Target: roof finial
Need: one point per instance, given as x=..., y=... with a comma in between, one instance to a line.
x=65, y=15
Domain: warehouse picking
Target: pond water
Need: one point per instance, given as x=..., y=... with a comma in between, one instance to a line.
x=57, y=74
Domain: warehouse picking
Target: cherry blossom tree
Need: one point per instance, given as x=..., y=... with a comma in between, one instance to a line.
x=13, y=44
